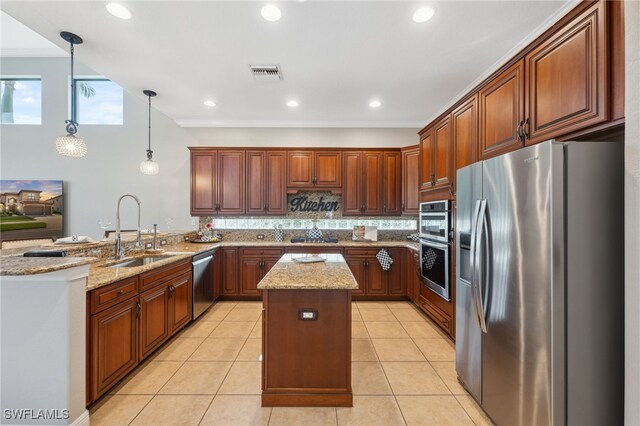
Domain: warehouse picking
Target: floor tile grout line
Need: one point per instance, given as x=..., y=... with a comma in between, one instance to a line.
x=465, y=410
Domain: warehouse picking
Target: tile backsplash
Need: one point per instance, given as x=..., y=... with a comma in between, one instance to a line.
x=341, y=224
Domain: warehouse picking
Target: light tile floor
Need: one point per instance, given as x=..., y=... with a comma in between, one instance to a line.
x=403, y=373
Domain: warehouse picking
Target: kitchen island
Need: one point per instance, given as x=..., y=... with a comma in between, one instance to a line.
x=306, y=331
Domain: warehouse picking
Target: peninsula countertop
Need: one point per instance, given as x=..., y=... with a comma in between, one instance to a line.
x=288, y=274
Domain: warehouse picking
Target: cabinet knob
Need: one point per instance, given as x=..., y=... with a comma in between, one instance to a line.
x=120, y=292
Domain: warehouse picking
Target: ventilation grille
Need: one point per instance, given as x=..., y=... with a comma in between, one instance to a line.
x=266, y=72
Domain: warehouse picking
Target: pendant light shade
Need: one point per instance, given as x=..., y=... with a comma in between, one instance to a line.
x=71, y=145
x=148, y=166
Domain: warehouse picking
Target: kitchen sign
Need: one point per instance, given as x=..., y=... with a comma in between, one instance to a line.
x=303, y=204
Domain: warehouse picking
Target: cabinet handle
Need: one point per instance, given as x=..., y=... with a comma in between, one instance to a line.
x=138, y=309
x=519, y=131
x=384, y=207
x=171, y=290
x=433, y=179
x=366, y=263
x=451, y=190
x=264, y=207
x=525, y=129
x=120, y=292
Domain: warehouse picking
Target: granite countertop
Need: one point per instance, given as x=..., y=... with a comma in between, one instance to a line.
x=40, y=265
x=287, y=274
x=99, y=275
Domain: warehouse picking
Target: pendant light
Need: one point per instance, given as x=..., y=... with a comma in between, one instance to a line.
x=71, y=145
x=148, y=166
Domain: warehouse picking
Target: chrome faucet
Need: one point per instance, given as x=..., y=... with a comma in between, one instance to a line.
x=155, y=234
x=119, y=251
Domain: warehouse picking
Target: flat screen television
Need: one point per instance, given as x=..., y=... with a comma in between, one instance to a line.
x=31, y=209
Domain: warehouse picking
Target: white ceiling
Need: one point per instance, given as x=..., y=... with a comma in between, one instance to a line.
x=335, y=56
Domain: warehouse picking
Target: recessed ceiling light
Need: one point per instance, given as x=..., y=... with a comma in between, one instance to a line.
x=209, y=103
x=375, y=103
x=423, y=14
x=271, y=13
x=118, y=10
x=292, y=104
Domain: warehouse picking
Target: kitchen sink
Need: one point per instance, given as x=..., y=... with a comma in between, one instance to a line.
x=139, y=261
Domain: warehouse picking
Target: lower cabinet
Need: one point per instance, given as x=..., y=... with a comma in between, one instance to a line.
x=373, y=281
x=254, y=265
x=125, y=326
x=413, y=274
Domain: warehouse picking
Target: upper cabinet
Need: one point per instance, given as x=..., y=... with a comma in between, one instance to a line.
x=436, y=156
x=372, y=183
x=427, y=177
x=314, y=169
x=502, y=112
x=217, y=182
x=567, y=78
x=464, y=125
x=410, y=180
x=266, y=182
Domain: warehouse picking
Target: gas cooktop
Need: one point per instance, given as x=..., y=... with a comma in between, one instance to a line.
x=315, y=241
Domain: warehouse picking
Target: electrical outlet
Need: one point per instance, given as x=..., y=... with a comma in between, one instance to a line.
x=163, y=242
x=148, y=245
x=260, y=236
x=194, y=221
x=186, y=238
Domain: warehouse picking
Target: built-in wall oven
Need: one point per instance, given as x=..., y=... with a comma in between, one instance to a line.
x=435, y=247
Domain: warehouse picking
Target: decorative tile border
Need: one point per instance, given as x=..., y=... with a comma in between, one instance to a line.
x=392, y=224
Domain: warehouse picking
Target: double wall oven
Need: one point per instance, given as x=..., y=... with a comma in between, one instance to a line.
x=435, y=246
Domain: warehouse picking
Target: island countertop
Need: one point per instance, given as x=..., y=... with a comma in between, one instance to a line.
x=287, y=274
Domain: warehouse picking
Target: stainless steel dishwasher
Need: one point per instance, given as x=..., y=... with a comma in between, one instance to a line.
x=202, y=282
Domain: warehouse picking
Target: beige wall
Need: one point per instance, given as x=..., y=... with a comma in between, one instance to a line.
x=632, y=213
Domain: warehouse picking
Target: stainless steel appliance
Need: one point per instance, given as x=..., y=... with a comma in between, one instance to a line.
x=203, y=282
x=435, y=221
x=435, y=244
x=539, y=296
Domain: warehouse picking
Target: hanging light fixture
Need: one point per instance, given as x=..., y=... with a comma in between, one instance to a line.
x=148, y=166
x=71, y=145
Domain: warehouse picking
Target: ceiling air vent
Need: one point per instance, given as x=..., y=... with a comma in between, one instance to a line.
x=266, y=72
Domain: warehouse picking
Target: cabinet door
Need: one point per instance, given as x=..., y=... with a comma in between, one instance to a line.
x=217, y=274
x=328, y=169
x=567, y=78
x=250, y=275
x=426, y=160
x=392, y=183
x=231, y=182
x=352, y=204
x=276, y=189
x=356, y=264
x=180, y=302
x=410, y=181
x=501, y=106
x=442, y=153
x=256, y=182
x=154, y=321
x=375, y=278
x=229, y=259
x=465, y=133
x=396, y=275
x=114, y=349
x=300, y=169
x=269, y=262
x=372, y=183
x=203, y=182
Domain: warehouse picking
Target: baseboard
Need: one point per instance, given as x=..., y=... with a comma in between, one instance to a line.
x=82, y=420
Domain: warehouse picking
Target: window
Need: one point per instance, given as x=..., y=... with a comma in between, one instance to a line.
x=99, y=101
x=21, y=101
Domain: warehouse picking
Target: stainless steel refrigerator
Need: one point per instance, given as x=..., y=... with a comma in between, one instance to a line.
x=540, y=284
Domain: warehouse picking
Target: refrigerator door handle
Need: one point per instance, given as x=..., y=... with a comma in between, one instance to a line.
x=473, y=251
x=481, y=226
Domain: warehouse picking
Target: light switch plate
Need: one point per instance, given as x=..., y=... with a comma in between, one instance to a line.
x=163, y=242
x=148, y=245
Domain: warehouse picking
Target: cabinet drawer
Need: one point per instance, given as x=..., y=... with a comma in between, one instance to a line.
x=161, y=275
x=112, y=294
x=362, y=251
x=435, y=314
x=261, y=251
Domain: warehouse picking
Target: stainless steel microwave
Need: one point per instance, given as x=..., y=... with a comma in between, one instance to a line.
x=435, y=221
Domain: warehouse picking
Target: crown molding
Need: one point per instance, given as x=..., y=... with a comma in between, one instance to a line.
x=299, y=124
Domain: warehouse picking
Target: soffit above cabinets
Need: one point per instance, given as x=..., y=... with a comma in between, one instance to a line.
x=336, y=57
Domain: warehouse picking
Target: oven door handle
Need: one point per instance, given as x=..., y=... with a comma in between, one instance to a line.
x=430, y=243
x=473, y=250
x=481, y=226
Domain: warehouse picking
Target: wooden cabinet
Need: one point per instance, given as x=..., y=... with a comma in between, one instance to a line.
x=427, y=176
x=254, y=265
x=229, y=265
x=410, y=180
x=567, y=78
x=412, y=264
x=314, y=169
x=372, y=183
x=180, y=302
x=464, y=125
x=266, y=182
x=154, y=322
x=373, y=281
x=114, y=346
x=217, y=182
x=501, y=106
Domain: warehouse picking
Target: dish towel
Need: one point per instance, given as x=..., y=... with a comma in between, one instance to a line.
x=74, y=239
x=384, y=259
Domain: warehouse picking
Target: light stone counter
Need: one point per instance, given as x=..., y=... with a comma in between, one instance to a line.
x=40, y=265
x=287, y=274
